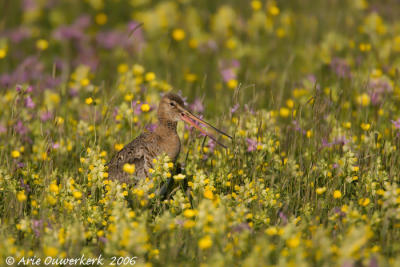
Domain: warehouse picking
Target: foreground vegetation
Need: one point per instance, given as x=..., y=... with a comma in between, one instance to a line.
x=308, y=90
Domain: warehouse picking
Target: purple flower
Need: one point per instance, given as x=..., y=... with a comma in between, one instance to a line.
x=29, y=5
x=235, y=108
x=73, y=31
x=136, y=108
x=373, y=262
x=228, y=74
x=212, y=45
x=45, y=116
x=20, y=164
x=151, y=127
x=283, y=217
x=5, y=80
x=341, y=140
x=378, y=88
x=197, y=106
x=396, y=123
x=129, y=39
x=68, y=33
x=29, y=102
x=251, y=144
x=109, y=39
x=228, y=69
x=30, y=69
x=341, y=68
x=103, y=239
x=211, y=145
x=19, y=34
x=20, y=128
x=2, y=129
x=55, y=146
x=241, y=227
x=37, y=226
x=73, y=92
x=25, y=186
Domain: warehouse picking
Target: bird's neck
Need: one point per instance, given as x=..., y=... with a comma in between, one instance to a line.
x=166, y=125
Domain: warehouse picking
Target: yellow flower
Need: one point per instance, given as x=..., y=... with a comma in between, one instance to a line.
x=280, y=32
x=231, y=43
x=101, y=18
x=232, y=84
x=193, y=43
x=145, y=107
x=347, y=125
x=54, y=188
x=15, y=154
x=77, y=195
x=208, y=194
x=273, y=10
x=85, y=82
x=364, y=100
x=178, y=34
x=129, y=168
x=320, y=190
x=380, y=192
x=365, y=47
x=364, y=201
x=42, y=44
x=89, y=100
x=137, y=69
x=337, y=194
x=293, y=242
x=51, y=200
x=3, y=53
x=189, y=213
x=179, y=177
x=21, y=196
x=290, y=103
x=122, y=68
x=284, y=112
x=256, y=5
x=50, y=251
x=190, y=77
x=271, y=231
x=118, y=147
x=205, y=242
x=189, y=224
x=376, y=73
x=150, y=76
x=365, y=126
x=128, y=97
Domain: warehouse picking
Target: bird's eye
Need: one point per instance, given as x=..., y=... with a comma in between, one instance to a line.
x=172, y=104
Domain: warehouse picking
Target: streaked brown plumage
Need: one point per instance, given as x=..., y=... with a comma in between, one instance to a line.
x=147, y=146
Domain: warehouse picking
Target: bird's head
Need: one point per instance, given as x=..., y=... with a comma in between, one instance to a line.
x=172, y=108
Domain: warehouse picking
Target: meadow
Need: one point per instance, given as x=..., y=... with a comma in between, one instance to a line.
x=309, y=90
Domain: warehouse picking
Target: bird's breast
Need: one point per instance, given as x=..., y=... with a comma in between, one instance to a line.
x=171, y=146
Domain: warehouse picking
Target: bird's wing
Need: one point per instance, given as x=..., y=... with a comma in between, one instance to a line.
x=139, y=152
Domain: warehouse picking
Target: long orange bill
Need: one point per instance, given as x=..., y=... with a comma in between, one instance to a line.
x=191, y=119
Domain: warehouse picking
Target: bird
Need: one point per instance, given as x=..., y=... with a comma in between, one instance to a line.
x=164, y=139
